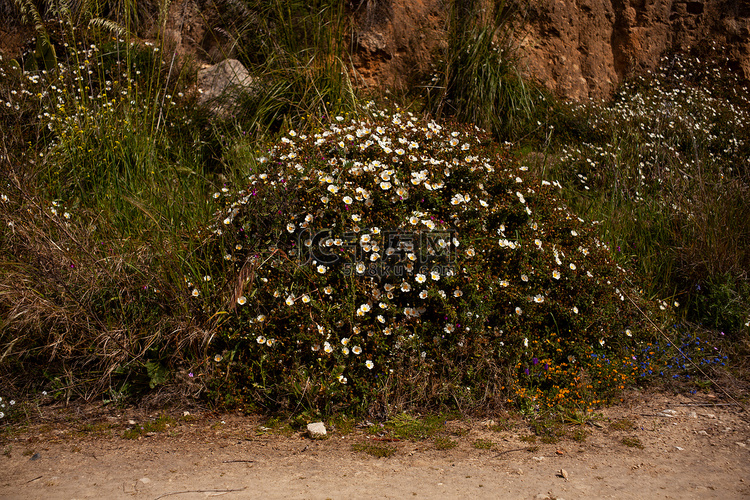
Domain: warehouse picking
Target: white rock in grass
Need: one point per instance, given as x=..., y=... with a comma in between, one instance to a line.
x=316, y=430
x=221, y=83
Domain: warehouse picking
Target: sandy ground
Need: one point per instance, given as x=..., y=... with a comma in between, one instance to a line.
x=690, y=450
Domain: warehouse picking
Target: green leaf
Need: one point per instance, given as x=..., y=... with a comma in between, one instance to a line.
x=157, y=373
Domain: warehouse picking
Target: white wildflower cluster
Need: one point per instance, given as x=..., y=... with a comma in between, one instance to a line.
x=392, y=229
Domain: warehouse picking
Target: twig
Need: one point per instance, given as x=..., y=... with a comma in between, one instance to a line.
x=35, y=479
x=198, y=491
x=237, y=461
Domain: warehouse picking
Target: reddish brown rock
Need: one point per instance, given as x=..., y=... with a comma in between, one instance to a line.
x=576, y=48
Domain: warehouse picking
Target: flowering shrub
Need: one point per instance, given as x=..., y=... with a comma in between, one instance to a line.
x=665, y=168
x=390, y=260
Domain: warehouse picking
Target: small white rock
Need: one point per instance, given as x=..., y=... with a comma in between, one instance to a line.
x=145, y=480
x=316, y=429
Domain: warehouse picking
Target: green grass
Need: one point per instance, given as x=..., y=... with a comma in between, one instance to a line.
x=444, y=443
x=159, y=424
x=405, y=426
x=632, y=442
x=622, y=425
x=482, y=444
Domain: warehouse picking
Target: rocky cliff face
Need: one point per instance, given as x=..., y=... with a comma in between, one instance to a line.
x=577, y=48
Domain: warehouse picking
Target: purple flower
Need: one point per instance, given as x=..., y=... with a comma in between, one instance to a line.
x=526, y=371
x=535, y=361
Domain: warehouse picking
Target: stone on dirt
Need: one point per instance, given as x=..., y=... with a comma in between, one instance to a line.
x=316, y=430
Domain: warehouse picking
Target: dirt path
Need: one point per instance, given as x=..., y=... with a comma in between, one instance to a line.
x=688, y=451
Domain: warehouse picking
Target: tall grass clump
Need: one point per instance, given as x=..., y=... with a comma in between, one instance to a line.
x=298, y=53
x=478, y=79
x=664, y=168
x=100, y=210
x=394, y=262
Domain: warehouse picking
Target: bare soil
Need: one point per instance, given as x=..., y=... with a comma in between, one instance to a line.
x=649, y=447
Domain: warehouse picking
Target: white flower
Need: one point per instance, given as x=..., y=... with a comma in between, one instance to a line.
x=628, y=332
x=518, y=311
x=405, y=287
x=261, y=339
x=575, y=309
x=290, y=227
x=601, y=342
x=369, y=364
x=423, y=294
x=322, y=269
x=357, y=350
x=538, y=299
x=242, y=300
x=342, y=379
x=435, y=275
x=556, y=274
x=290, y=300
x=525, y=342
x=504, y=283
x=572, y=266
x=327, y=348
x=196, y=292
x=306, y=298
x=348, y=200
x=381, y=318
x=524, y=278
